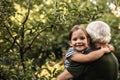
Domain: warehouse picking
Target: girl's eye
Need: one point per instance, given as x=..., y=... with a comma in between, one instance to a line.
x=82, y=38
x=74, y=39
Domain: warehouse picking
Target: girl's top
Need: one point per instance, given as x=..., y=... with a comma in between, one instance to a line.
x=75, y=68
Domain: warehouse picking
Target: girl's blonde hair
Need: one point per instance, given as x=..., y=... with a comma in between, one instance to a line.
x=99, y=31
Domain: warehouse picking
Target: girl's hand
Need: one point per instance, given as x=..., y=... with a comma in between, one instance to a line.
x=111, y=47
x=105, y=49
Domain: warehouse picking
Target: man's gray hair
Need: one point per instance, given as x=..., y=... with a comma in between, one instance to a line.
x=99, y=31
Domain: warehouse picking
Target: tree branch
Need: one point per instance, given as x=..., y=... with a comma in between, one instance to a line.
x=9, y=32
x=37, y=36
x=26, y=18
x=5, y=51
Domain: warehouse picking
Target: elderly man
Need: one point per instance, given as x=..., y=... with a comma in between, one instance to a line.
x=105, y=68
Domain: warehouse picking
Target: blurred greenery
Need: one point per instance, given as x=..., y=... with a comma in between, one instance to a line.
x=33, y=34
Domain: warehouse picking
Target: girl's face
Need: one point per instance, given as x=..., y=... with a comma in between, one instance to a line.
x=79, y=40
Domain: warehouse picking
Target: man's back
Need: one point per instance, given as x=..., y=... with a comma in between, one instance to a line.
x=106, y=68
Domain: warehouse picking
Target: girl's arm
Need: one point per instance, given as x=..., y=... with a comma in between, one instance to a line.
x=92, y=56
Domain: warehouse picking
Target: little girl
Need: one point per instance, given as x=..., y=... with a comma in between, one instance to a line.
x=79, y=41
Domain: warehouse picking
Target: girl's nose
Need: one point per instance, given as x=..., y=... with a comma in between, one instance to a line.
x=79, y=41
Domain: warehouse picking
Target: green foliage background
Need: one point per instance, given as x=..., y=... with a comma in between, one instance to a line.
x=38, y=34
